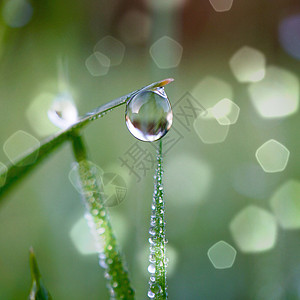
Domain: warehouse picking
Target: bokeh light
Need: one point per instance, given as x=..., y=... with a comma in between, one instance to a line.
x=17, y=13
x=36, y=114
x=209, y=129
x=94, y=170
x=3, y=170
x=97, y=64
x=189, y=185
x=130, y=32
x=248, y=64
x=250, y=180
x=18, y=145
x=277, y=95
x=63, y=112
x=226, y=112
x=254, y=229
x=210, y=90
x=112, y=51
x=221, y=5
x=166, y=53
x=82, y=238
x=222, y=255
x=289, y=35
x=272, y=156
x=285, y=204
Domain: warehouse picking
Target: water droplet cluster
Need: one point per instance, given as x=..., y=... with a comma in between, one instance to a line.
x=98, y=221
x=149, y=115
x=157, y=239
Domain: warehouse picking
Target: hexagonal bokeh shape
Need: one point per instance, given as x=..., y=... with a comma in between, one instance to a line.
x=254, y=229
x=209, y=129
x=166, y=53
x=3, y=173
x=272, y=156
x=226, y=112
x=18, y=145
x=91, y=178
x=221, y=5
x=82, y=238
x=285, y=204
x=112, y=48
x=210, y=90
x=97, y=64
x=248, y=65
x=277, y=95
x=222, y=255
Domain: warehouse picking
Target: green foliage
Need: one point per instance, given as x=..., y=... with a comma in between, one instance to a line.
x=157, y=258
x=110, y=257
x=38, y=290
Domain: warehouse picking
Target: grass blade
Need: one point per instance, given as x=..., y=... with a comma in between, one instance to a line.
x=14, y=174
x=157, y=268
x=38, y=290
x=110, y=257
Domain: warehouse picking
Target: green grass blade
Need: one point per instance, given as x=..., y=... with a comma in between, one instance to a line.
x=14, y=173
x=38, y=290
x=157, y=268
x=110, y=257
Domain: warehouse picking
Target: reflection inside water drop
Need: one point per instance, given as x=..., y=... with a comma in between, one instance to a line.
x=149, y=115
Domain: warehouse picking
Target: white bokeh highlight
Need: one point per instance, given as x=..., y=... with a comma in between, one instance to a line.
x=285, y=203
x=192, y=182
x=226, y=112
x=222, y=255
x=210, y=90
x=248, y=65
x=95, y=171
x=254, y=230
x=63, y=112
x=209, y=129
x=166, y=53
x=18, y=145
x=272, y=156
x=277, y=95
x=82, y=238
x=36, y=114
x=112, y=49
x=221, y=5
x=97, y=64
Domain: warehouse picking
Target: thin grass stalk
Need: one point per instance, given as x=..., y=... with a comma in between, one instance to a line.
x=110, y=257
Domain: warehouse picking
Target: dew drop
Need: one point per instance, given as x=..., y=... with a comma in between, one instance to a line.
x=151, y=295
x=152, y=231
x=151, y=269
x=149, y=115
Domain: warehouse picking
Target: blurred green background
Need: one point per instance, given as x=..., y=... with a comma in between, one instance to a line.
x=207, y=184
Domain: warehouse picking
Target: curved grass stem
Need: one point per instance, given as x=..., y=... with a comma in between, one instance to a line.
x=157, y=268
x=14, y=173
x=110, y=257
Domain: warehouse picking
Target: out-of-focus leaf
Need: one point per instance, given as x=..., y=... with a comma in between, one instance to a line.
x=38, y=290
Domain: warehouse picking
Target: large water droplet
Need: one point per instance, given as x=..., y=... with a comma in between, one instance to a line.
x=149, y=115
